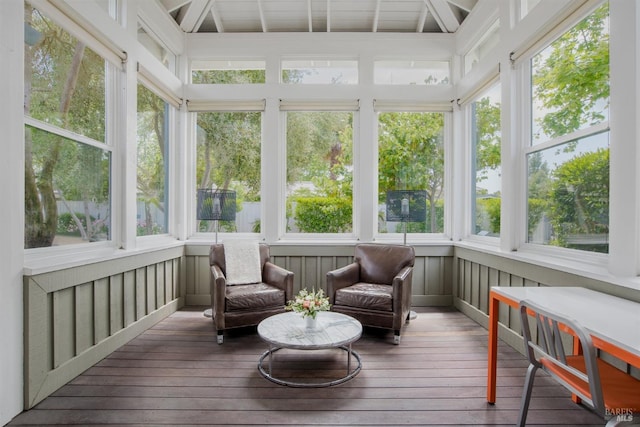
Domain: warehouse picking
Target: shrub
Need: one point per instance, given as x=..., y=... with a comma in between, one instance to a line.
x=323, y=215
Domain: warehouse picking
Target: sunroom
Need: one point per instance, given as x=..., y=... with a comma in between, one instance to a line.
x=513, y=123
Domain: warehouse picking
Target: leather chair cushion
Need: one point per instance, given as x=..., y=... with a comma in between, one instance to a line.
x=253, y=296
x=369, y=296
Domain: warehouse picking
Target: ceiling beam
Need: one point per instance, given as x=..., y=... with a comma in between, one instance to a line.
x=263, y=20
x=376, y=17
x=216, y=17
x=423, y=17
x=444, y=15
x=465, y=5
x=193, y=15
x=173, y=5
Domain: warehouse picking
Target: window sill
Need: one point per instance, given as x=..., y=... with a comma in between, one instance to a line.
x=46, y=261
x=589, y=265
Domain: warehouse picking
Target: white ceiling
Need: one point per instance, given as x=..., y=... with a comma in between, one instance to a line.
x=249, y=16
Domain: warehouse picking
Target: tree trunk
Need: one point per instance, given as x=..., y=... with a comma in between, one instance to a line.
x=40, y=199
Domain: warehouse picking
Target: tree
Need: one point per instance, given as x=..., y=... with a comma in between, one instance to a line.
x=411, y=157
x=571, y=83
x=572, y=80
x=64, y=86
x=319, y=151
x=488, y=136
x=487, y=140
x=579, y=197
x=151, y=157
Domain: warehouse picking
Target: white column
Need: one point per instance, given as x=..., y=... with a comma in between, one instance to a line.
x=624, y=210
x=273, y=176
x=12, y=212
x=125, y=164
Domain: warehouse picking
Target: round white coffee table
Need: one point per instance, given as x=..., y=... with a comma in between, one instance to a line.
x=288, y=330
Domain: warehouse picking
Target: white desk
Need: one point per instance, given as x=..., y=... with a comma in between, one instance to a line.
x=614, y=323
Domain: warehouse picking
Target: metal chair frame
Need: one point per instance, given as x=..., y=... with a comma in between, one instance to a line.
x=549, y=347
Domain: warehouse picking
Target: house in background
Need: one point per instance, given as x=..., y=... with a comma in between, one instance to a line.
x=518, y=119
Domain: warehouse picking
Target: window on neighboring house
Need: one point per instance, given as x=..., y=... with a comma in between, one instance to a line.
x=67, y=162
x=486, y=180
x=568, y=159
x=228, y=158
x=317, y=71
x=319, y=172
x=411, y=157
x=152, y=170
x=228, y=71
x=411, y=72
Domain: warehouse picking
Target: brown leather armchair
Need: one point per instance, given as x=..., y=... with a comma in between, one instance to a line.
x=235, y=306
x=376, y=287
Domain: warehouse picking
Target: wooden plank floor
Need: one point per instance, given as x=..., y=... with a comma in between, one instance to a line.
x=175, y=374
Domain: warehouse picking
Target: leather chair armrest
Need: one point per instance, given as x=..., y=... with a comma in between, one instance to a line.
x=218, y=288
x=402, y=289
x=341, y=278
x=279, y=277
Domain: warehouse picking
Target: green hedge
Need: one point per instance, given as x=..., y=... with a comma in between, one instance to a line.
x=323, y=215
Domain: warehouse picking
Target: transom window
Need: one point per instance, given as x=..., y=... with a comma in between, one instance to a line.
x=227, y=71
x=320, y=71
x=411, y=72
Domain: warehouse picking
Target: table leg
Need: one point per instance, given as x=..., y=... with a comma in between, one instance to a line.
x=270, y=357
x=494, y=307
x=349, y=360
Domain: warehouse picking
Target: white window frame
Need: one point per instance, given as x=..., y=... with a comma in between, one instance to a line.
x=522, y=67
x=420, y=107
x=299, y=106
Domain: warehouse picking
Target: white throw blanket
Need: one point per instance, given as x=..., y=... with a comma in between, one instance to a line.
x=242, y=261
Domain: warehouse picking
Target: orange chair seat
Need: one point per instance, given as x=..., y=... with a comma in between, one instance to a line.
x=619, y=389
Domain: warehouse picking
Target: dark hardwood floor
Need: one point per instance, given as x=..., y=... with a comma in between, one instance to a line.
x=175, y=374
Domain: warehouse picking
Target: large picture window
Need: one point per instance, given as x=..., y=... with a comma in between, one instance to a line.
x=486, y=181
x=568, y=160
x=319, y=172
x=153, y=153
x=228, y=159
x=67, y=163
x=411, y=157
